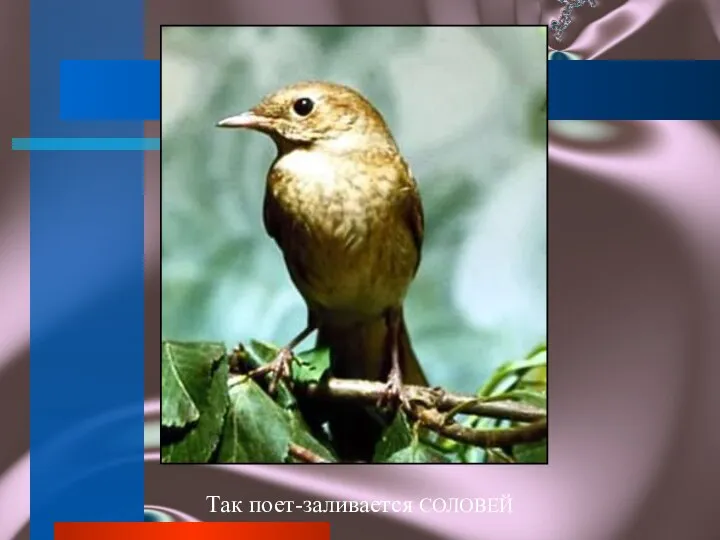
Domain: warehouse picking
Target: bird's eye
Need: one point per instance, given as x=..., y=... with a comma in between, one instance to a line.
x=303, y=106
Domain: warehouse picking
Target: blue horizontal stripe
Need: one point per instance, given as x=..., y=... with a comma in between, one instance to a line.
x=583, y=90
x=84, y=144
x=634, y=90
x=110, y=90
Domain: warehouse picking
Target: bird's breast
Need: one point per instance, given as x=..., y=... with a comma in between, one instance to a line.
x=348, y=248
x=336, y=201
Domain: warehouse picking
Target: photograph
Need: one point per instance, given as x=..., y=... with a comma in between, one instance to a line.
x=354, y=244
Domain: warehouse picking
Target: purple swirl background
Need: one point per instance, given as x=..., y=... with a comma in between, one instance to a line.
x=634, y=242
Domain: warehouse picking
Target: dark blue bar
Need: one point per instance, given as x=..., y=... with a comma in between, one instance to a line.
x=86, y=281
x=110, y=90
x=580, y=90
x=634, y=90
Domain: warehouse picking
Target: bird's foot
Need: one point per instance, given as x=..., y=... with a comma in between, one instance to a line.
x=393, y=396
x=279, y=367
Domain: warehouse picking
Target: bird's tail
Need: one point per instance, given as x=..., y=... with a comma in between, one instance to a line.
x=362, y=351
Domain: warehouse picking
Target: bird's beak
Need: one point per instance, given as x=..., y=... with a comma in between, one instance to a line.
x=248, y=120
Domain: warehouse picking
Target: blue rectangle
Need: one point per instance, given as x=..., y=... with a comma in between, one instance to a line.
x=110, y=90
x=578, y=90
x=80, y=144
x=634, y=90
x=86, y=275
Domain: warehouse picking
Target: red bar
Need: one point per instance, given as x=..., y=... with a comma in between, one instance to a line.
x=192, y=531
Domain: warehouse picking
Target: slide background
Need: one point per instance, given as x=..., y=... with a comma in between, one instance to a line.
x=634, y=305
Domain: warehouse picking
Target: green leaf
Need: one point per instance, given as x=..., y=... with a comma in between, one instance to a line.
x=301, y=435
x=537, y=360
x=196, y=442
x=531, y=452
x=495, y=455
x=508, y=374
x=397, y=435
x=541, y=347
x=312, y=365
x=538, y=399
x=187, y=370
x=536, y=377
x=418, y=453
x=256, y=429
x=261, y=352
x=309, y=367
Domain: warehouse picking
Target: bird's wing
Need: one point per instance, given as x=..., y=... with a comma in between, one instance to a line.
x=414, y=214
x=271, y=218
x=280, y=226
x=275, y=219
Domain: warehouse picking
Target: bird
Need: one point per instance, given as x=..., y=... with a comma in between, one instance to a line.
x=344, y=208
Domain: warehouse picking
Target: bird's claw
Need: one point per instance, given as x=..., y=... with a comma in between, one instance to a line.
x=393, y=396
x=280, y=367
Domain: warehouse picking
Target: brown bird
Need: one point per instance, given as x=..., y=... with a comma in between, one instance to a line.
x=344, y=208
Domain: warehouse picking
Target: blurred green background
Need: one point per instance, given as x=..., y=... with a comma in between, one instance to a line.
x=467, y=107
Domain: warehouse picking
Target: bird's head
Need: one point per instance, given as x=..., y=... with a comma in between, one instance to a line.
x=321, y=114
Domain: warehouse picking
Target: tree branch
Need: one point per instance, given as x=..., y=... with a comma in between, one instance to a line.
x=485, y=438
x=432, y=408
x=305, y=455
x=369, y=392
